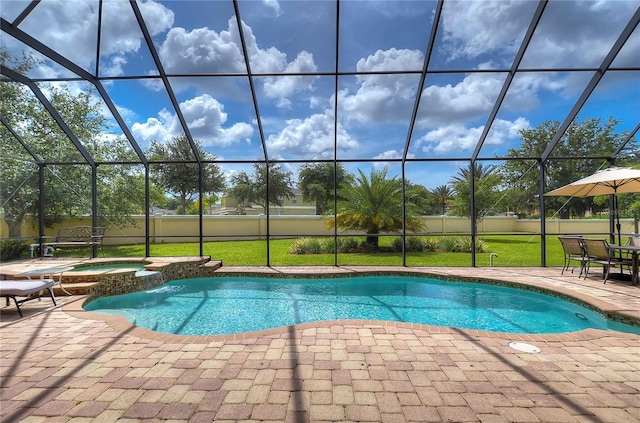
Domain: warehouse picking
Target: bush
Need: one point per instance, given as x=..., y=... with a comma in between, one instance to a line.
x=305, y=246
x=449, y=244
x=431, y=245
x=348, y=245
x=12, y=249
x=413, y=244
x=396, y=244
x=327, y=246
x=481, y=246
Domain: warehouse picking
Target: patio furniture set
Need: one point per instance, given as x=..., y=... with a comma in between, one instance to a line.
x=587, y=251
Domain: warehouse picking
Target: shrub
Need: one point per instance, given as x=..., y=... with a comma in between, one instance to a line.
x=464, y=244
x=396, y=244
x=12, y=249
x=449, y=244
x=305, y=246
x=327, y=246
x=348, y=245
x=413, y=244
x=431, y=244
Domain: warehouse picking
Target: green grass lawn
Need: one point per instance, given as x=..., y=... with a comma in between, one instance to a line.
x=511, y=250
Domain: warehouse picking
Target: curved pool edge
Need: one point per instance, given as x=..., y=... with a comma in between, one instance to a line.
x=121, y=324
x=608, y=310
x=605, y=308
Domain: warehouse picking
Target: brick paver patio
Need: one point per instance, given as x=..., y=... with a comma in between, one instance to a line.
x=59, y=364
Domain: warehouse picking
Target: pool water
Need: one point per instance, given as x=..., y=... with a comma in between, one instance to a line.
x=138, y=266
x=226, y=305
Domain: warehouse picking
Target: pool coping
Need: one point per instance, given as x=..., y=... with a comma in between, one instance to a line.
x=75, y=308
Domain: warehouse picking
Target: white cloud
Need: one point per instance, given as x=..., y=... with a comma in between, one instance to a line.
x=200, y=51
x=449, y=138
x=577, y=34
x=472, y=28
x=71, y=28
x=467, y=100
x=152, y=129
x=274, y=5
x=390, y=98
x=446, y=111
x=157, y=17
x=383, y=98
x=282, y=87
x=205, y=119
x=391, y=155
x=313, y=136
x=390, y=60
x=63, y=25
x=446, y=139
x=504, y=130
x=203, y=50
x=121, y=33
x=113, y=66
x=569, y=33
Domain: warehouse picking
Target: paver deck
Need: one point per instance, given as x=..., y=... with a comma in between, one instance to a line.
x=59, y=364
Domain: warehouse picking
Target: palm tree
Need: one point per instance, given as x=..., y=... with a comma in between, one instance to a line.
x=442, y=194
x=374, y=205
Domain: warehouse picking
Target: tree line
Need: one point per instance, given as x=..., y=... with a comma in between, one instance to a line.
x=372, y=201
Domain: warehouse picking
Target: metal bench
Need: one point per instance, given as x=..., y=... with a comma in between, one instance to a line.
x=72, y=237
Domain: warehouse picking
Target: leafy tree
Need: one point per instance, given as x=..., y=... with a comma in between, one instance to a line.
x=175, y=173
x=252, y=189
x=374, y=205
x=317, y=183
x=586, y=142
x=443, y=195
x=419, y=198
x=485, y=184
x=121, y=193
x=67, y=185
x=207, y=204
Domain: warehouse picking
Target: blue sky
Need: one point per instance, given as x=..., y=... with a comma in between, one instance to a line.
x=297, y=112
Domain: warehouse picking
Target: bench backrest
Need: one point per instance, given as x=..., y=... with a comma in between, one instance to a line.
x=81, y=234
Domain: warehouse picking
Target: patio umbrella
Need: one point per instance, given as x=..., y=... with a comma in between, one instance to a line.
x=611, y=181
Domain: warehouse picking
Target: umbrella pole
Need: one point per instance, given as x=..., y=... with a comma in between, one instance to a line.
x=618, y=226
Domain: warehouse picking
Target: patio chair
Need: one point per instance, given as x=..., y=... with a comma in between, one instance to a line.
x=634, y=240
x=573, y=252
x=597, y=251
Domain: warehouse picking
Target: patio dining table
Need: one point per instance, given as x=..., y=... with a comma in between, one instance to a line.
x=635, y=259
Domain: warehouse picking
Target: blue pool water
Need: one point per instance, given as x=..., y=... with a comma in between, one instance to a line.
x=225, y=305
x=109, y=266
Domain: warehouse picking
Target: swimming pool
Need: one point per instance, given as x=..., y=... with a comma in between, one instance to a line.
x=227, y=305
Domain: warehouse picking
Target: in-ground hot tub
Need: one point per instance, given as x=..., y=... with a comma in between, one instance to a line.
x=112, y=276
x=108, y=266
